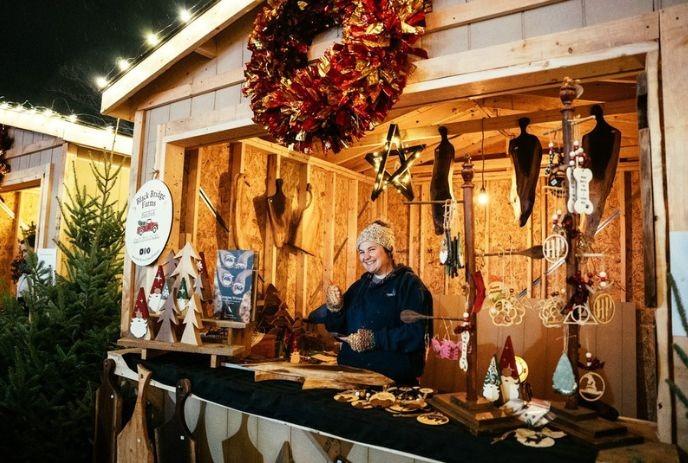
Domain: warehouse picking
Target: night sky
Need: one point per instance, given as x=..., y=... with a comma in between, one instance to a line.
x=50, y=50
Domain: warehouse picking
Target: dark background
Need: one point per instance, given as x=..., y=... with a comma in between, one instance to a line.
x=51, y=50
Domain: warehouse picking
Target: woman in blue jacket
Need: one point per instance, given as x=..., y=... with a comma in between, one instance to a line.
x=367, y=315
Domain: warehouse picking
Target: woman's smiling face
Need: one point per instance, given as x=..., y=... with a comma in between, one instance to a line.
x=374, y=258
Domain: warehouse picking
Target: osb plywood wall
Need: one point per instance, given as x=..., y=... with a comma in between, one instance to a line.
x=343, y=207
x=9, y=247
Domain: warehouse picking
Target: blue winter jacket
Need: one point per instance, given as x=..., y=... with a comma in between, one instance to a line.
x=399, y=351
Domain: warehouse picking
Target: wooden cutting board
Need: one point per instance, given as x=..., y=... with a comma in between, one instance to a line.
x=279, y=214
x=285, y=455
x=203, y=453
x=239, y=448
x=133, y=443
x=108, y=415
x=173, y=440
x=306, y=237
x=319, y=376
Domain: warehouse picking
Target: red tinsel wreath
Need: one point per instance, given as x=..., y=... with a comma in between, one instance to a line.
x=350, y=89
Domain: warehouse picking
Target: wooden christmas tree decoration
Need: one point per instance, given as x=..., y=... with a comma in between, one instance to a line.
x=138, y=326
x=186, y=272
x=192, y=322
x=155, y=296
x=166, y=333
x=169, y=263
x=182, y=298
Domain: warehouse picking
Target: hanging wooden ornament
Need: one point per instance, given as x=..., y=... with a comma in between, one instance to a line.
x=570, y=180
x=603, y=308
x=138, y=326
x=555, y=248
x=492, y=381
x=463, y=360
x=563, y=380
x=155, y=301
x=582, y=203
x=580, y=314
x=550, y=311
x=591, y=386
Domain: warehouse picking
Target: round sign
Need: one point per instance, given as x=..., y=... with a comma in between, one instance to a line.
x=149, y=222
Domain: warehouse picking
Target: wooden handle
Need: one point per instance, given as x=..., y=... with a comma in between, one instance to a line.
x=107, y=376
x=145, y=376
x=182, y=393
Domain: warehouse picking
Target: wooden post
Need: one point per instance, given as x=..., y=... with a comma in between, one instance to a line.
x=567, y=94
x=469, y=236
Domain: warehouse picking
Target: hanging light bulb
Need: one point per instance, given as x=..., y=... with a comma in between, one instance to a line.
x=72, y=118
x=184, y=15
x=483, y=197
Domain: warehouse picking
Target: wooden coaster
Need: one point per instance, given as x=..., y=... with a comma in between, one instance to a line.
x=346, y=397
x=383, y=399
x=361, y=404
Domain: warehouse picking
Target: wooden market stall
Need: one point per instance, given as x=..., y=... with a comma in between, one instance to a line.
x=48, y=156
x=490, y=64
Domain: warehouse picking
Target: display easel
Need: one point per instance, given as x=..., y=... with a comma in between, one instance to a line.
x=580, y=423
x=475, y=412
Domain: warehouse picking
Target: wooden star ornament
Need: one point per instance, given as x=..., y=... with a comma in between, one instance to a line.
x=401, y=177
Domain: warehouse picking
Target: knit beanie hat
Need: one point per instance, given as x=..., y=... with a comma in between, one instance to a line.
x=377, y=232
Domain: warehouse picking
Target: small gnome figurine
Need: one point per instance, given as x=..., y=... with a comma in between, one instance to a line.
x=138, y=326
x=155, y=300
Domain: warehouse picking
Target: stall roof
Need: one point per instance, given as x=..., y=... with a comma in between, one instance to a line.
x=189, y=39
x=72, y=132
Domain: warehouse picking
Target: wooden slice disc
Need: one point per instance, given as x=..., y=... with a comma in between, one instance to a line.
x=433, y=419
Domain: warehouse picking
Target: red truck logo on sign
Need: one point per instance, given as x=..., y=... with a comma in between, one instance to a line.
x=147, y=226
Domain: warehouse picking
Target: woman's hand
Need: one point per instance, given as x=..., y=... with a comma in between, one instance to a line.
x=361, y=341
x=334, y=298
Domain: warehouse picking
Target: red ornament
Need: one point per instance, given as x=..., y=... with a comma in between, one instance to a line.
x=507, y=363
x=350, y=89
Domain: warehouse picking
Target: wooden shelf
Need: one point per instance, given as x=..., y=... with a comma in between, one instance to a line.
x=224, y=323
x=208, y=349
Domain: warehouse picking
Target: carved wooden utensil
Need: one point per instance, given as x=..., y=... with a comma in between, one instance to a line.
x=239, y=448
x=133, y=443
x=174, y=442
x=108, y=415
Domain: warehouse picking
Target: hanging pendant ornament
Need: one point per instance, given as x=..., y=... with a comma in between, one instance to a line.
x=555, y=248
x=492, y=381
x=401, y=177
x=591, y=386
x=603, y=308
x=550, y=310
x=463, y=360
x=138, y=326
x=571, y=182
x=563, y=380
x=580, y=314
x=582, y=176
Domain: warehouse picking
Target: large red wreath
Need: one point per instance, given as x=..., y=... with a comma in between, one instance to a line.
x=350, y=89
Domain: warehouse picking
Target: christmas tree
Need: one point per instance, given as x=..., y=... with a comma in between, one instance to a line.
x=192, y=322
x=166, y=333
x=169, y=263
x=51, y=351
x=155, y=296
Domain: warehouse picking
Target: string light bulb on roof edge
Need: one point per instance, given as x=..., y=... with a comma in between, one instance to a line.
x=483, y=197
x=152, y=39
x=123, y=64
x=184, y=15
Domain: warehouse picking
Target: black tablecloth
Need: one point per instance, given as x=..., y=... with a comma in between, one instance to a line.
x=285, y=401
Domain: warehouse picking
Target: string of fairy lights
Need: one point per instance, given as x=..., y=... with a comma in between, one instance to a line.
x=49, y=115
x=151, y=42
